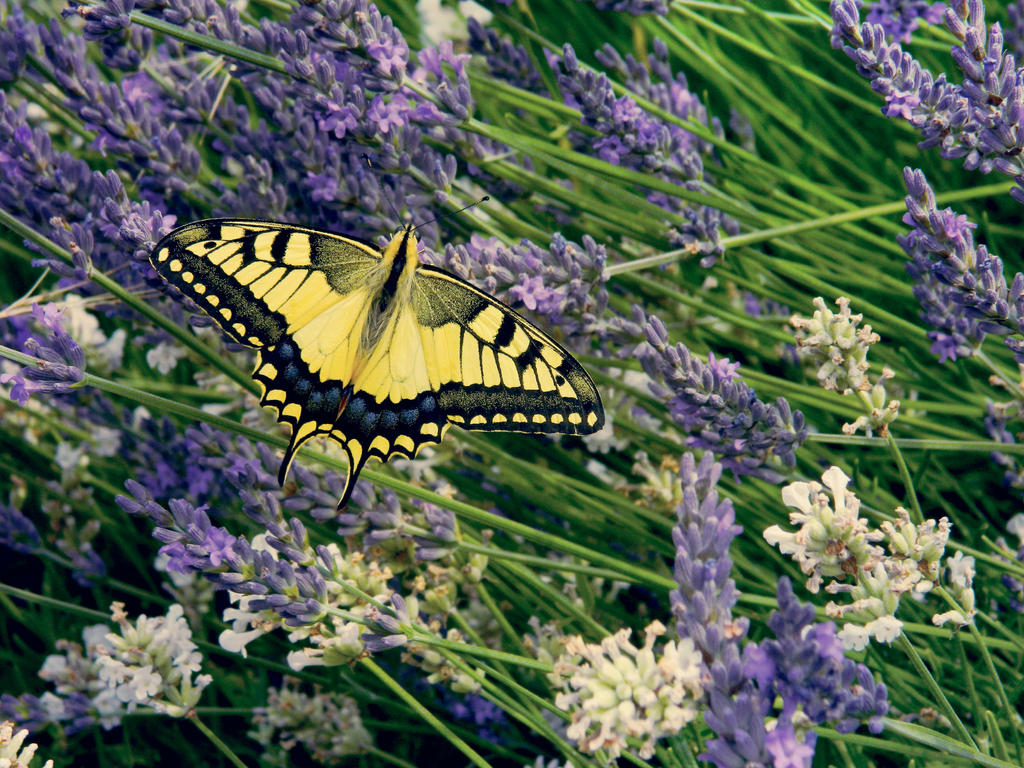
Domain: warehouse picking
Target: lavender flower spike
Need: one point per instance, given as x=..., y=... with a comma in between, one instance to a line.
x=703, y=606
x=721, y=413
x=978, y=287
x=900, y=18
x=61, y=361
x=804, y=666
x=980, y=120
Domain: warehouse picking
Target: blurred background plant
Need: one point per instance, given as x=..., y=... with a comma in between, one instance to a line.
x=734, y=213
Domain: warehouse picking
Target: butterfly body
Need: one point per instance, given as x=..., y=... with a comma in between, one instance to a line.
x=373, y=348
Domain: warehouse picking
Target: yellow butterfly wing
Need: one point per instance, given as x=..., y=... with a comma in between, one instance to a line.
x=297, y=295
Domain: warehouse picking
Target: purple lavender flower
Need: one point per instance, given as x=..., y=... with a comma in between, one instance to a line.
x=16, y=531
x=385, y=630
x=996, y=425
x=505, y=59
x=633, y=7
x=61, y=361
x=26, y=710
x=900, y=18
x=487, y=717
x=632, y=137
x=967, y=278
x=979, y=120
x=290, y=584
x=703, y=606
x=804, y=666
x=15, y=43
x=721, y=413
x=1015, y=32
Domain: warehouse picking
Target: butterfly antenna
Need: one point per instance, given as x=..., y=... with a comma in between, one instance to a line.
x=383, y=192
x=449, y=214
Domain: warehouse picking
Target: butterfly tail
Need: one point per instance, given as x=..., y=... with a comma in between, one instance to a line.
x=300, y=434
x=354, y=468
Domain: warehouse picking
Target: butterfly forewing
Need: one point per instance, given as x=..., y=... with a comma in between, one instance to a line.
x=341, y=354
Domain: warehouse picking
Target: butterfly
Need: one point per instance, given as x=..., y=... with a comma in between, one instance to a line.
x=372, y=348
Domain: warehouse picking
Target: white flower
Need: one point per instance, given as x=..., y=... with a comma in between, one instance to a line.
x=604, y=440
x=885, y=629
x=246, y=625
x=81, y=324
x=854, y=637
x=960, y=577
x=1016, y=526
x=111, y=352
x=164, y=357
x=11, y=753
x=106, y=441
x=833, y=542
x=67, y=457
x=961, y=570
x=619, y=692
x=304, y=657
x=55, y=667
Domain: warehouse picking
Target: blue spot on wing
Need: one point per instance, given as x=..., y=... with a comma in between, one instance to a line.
x=356, y=408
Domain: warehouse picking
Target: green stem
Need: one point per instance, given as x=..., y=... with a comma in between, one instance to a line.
x=936, y=692
x=410, y=701
x=225, y=750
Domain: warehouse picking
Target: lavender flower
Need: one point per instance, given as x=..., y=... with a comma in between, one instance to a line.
x=17, y=531
x=506, y=60
x=278, y=579
x=900, y=18
x=703, y=606
x=636, y=139
x=401, y=630
x=978, y=120
x=721, y=413
x=60, y=365
x=977, y=287
x=837, y=346
x=634, y=7
x=996, y=425
x=11, y=751
x=833, y=542
x=956, y=335
x=614, y=691
x=149, y=663
x=1015, y=32
x=805, y=667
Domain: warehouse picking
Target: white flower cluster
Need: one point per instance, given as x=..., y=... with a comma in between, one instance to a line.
x=332, y=640
x=832, y=541
x=327, y=725
x=77, y=670
x=615, y=692
x=838, y=345
x=152, y=661
x=150, y=664
x=12, y=755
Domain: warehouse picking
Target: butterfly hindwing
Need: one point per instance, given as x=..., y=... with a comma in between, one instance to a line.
x=494, y=370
